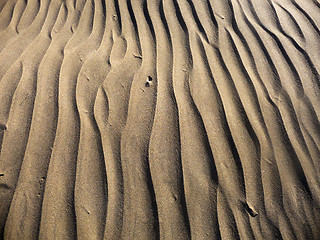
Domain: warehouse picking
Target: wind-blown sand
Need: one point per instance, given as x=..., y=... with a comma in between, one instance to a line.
x=159, y=119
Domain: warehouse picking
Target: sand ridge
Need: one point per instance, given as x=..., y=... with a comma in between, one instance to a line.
x=159, y=119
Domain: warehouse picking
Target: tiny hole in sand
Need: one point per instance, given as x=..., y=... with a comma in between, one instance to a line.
x=3, y=127
x=249, y=209
x=148, y=82
x=137, y=56
x=1, y=174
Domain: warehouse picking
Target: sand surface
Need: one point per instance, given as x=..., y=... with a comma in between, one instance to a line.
x=159, y=119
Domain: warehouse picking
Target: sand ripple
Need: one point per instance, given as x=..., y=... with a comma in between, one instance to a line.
x=159, y=119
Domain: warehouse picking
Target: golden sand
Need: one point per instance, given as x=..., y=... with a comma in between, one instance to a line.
x=159, y=119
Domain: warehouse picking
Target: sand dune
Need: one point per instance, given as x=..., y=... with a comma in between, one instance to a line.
x=159, y=119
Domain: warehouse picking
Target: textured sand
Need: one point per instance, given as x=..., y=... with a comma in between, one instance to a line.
x=159, y=119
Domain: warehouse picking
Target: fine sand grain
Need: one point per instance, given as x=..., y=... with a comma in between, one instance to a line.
x=159, y=119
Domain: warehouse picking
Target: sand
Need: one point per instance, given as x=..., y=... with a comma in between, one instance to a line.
x=159, y=119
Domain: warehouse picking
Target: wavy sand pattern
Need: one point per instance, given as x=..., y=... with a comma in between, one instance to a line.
x=159, y=119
